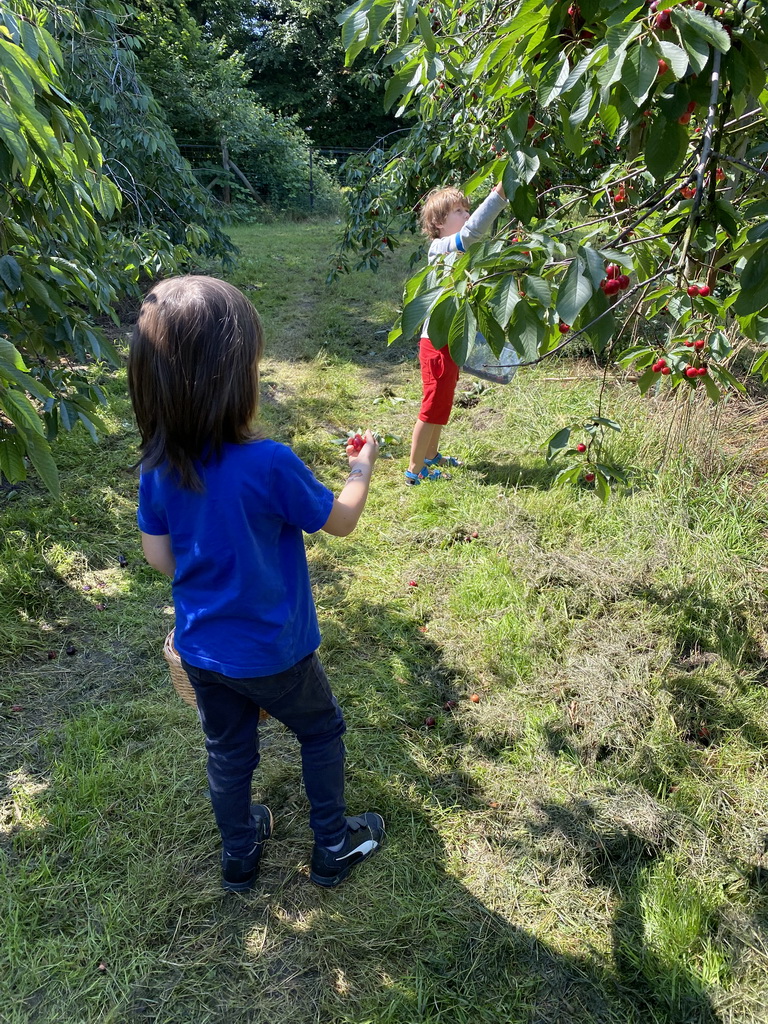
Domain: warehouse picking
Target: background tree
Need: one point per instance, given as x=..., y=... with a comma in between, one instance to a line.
x=95, y=196
x=631, y=141
x=297, y=60
x=202, y=85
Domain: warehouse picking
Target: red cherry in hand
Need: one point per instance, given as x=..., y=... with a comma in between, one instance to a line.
x=356, y=442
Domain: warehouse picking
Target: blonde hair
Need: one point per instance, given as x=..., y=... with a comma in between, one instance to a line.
x=437, y=206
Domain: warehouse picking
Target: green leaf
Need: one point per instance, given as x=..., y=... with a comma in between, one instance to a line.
x=425, y=30
x=537, y=288
x=558, y=442
x=440, y=320
x=503, y=300
x=416, y=312
x=675, y=56
x=574, y=293
x=477, y=178
x=753, y=294
x=21, y=412
x=462, y=333
x=39, y=454
x=665, y=148
x=12, y=457
x=10, y=273
x=525, y=331
x=712, y=389
x=640, y=71
x=524, y=205
x=602, y=487
x=705, y=27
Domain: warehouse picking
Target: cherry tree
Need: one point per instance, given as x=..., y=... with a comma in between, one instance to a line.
x=631, y=141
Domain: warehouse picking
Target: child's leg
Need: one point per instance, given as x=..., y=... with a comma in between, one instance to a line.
x=434, y=441
x=230, y=722
x=310, y=710
x=439, y=376
x=423, y=444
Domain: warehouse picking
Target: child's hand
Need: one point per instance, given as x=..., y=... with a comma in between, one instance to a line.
x=366, y=448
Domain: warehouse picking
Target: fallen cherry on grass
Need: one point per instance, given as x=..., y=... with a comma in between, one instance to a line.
x=70, y=650
x=412, y=583
x=474, y=698
x=430, y=722
x=52, y=655
x=449, y=705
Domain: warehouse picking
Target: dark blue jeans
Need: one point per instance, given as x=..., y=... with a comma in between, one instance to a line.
x=301, y=699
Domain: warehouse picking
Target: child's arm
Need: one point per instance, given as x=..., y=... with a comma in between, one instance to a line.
x=479, y=224
x=157, y=551
x=348, y=507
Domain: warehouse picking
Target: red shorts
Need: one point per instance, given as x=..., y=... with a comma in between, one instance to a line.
x=439, y=375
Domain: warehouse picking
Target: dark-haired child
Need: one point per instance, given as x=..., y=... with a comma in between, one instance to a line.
x=222, y=511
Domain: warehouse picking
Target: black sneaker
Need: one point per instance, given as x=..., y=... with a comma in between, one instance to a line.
x=365, y=835
x=238, y=874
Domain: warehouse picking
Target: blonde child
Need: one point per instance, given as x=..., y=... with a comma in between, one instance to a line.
x=446, y=219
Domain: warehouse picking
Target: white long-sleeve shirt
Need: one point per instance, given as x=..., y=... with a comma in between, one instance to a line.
x=478, y=224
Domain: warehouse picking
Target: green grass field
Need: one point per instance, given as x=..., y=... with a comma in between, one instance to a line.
x=588, y=843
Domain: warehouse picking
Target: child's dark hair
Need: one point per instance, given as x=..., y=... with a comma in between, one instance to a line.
x=193, y=373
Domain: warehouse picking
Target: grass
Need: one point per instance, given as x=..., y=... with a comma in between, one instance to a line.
x=587, y=843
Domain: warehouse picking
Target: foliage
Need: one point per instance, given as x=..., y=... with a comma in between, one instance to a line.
x=297, y=59
x=620, y=133
x=95, y=197
x=205, y=96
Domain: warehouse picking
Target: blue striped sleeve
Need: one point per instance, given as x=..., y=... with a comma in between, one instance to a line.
x=459, y=243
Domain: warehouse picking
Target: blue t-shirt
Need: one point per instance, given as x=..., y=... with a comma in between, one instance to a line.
x=241, y=589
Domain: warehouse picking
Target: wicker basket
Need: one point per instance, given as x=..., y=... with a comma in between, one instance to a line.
x=179, y=677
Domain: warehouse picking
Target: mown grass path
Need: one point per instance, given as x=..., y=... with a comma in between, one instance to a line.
x=586, y=843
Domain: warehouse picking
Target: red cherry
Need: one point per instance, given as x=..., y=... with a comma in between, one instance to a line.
x=623, y=281
x=474, y=698
x=693, y=289
x=564, y=328
x=702, y=371
x=589, y=477
x=666, y=370
x=691, y=371
x=611, y=287
x=531, y=121
x=699, y=345
x=684, y=118
x=691, y=106
x=450, y=705
x=430, y=722
x=704, y=290
x=612, y=270
x=581, y=447
x=663, y=67
x=656, y=368
x=412, y=583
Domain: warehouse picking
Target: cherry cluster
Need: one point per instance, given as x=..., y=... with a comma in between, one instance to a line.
x=615, y=280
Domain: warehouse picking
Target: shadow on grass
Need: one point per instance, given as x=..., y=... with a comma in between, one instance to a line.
x=514, y=474
x=403, y=942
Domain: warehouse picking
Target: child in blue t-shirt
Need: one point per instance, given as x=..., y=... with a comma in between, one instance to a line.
x=222, y=511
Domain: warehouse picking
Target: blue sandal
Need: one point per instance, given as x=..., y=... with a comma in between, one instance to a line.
x=444, y=460
x=414, y=479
